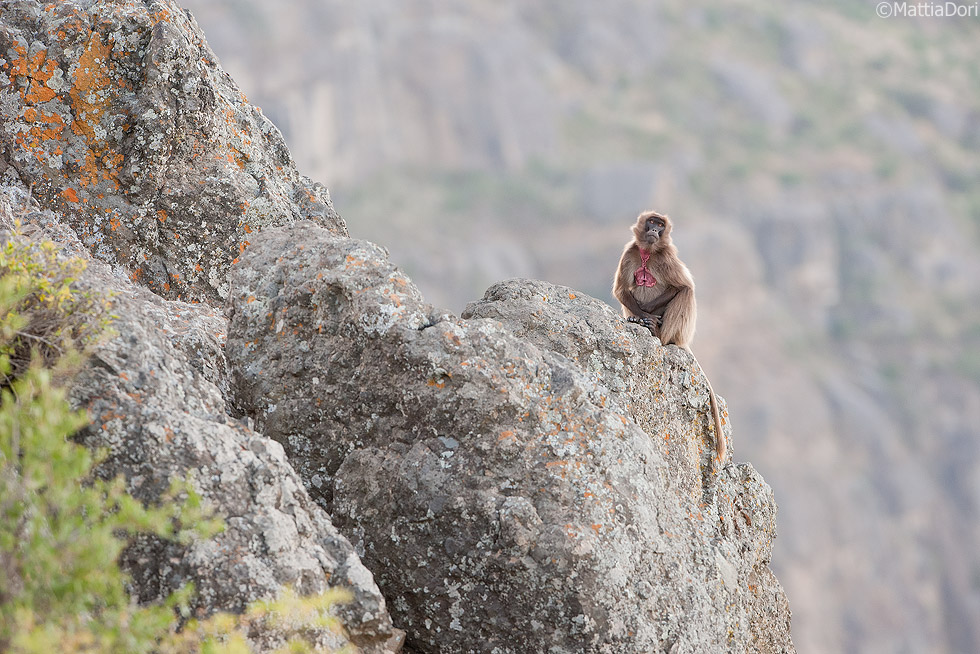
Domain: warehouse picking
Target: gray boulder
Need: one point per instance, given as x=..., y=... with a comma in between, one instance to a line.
x=534, y=481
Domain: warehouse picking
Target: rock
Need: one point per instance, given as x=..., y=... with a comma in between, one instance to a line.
x=304, y=296
x=625, y=358
x=535, y=483
x=154, y=394
x=119, y=117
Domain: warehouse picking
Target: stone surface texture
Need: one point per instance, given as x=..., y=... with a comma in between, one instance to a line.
x=506, y=498
x=153, y=393
x=625, y=358
x=120, y=118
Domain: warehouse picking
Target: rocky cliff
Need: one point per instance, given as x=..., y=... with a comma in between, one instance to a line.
x=820, y=164
x=532, y=476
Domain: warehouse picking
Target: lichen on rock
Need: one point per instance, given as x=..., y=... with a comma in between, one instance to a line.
x=120, y=118
x=154, y=393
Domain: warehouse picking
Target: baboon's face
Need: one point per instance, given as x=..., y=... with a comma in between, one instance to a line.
x=651, y=227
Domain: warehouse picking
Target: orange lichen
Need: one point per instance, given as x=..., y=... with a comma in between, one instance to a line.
x=236, y=157
x=160, y=15
x=42, y=72
x=38, y=70
x=45, y=126
x=70, y=195
x=91, y=94
x=353, y=262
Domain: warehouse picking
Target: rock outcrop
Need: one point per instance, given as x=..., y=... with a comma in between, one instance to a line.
x=660, y=388
x=830, y=220
x=536, y=476
x=505, y=496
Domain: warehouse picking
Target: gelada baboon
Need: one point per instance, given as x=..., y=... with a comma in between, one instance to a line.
x=656, y=290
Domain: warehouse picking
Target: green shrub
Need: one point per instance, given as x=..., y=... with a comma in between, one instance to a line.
x=60, y=534
x=43, y=313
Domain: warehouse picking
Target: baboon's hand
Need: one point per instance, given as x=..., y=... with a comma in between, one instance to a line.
x=646, y=322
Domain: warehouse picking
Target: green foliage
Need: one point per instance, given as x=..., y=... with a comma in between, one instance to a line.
x=60, y=587
x=61, y=527
x=289, y=615
x=59, y=538
x=43, y=311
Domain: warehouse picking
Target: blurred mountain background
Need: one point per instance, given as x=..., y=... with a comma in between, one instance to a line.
x=822, y=166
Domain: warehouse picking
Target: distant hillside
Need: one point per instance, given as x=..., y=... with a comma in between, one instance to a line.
x=820, y=164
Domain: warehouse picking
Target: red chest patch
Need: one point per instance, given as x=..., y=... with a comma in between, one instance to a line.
x=643, y=276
